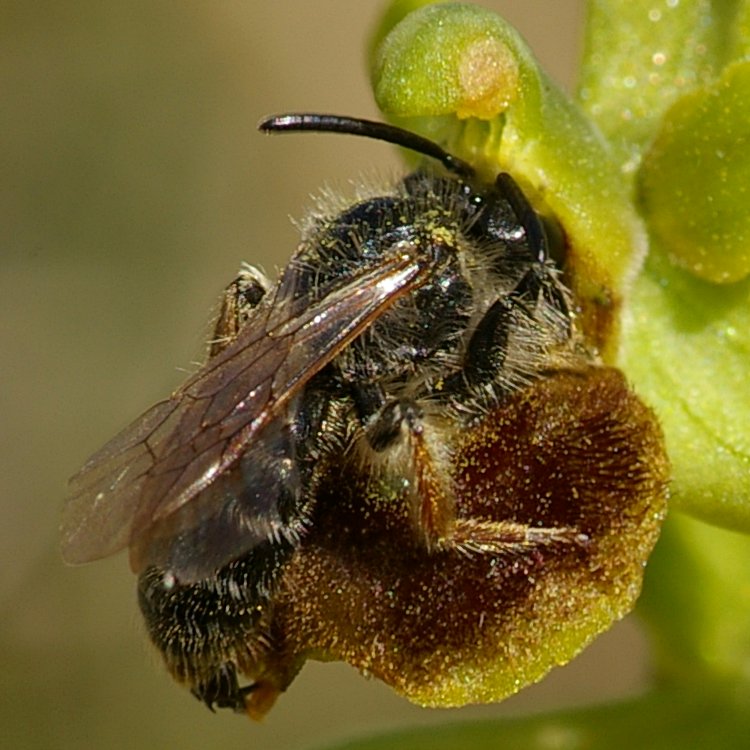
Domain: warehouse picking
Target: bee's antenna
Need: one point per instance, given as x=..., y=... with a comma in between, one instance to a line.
x=380, y=131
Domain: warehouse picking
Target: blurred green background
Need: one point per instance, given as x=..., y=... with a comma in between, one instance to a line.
x=133, y=185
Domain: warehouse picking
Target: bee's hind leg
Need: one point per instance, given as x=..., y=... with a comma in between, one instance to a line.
x=222, y=690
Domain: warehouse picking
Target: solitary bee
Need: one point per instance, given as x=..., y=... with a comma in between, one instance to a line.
x=332, y=421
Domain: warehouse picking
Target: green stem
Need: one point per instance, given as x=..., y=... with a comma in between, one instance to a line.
x=696, y=602
x=665, y=720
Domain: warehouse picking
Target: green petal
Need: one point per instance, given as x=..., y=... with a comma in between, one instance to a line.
x=695, y=179
x=461, y=75
x=641, y=55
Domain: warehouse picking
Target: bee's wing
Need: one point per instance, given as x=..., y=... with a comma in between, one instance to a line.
x=188, y=460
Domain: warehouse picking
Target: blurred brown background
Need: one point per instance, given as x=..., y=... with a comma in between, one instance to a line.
x=133, y=184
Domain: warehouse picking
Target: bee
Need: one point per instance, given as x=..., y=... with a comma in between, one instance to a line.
x=401, y=322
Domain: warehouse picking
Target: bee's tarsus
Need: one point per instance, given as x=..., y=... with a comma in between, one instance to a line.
x=475, y=536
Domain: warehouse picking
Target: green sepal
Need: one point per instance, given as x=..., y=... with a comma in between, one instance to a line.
x=686, y=347
x=695, y=179
x=687, y=332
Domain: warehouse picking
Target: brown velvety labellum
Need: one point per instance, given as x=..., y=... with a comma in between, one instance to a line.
x=576, y=449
